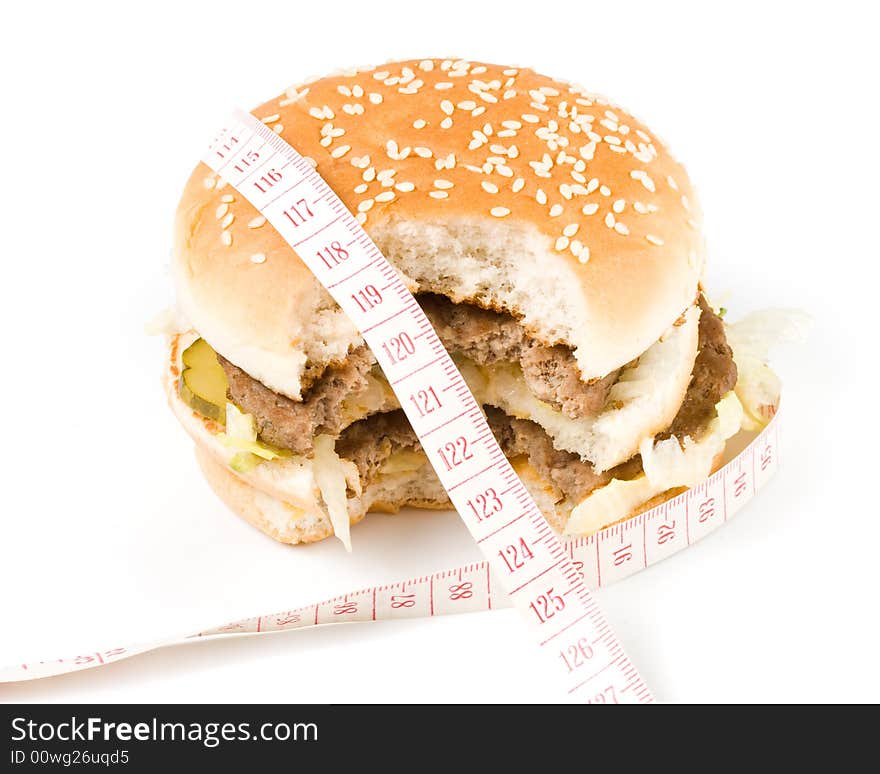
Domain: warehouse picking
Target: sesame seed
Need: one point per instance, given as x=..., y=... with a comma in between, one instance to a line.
x=422, y=152
x=584, y=255
x=590, y=209
x=257, y=222
x=404, y=187
x=446, y=123
x=609, y=220
x=278, y=128
x=621, y=229
x=208, y=182
x=419, y=123
x=644, y=179
x=258, y=258
x=221, y=211
x=447, y=107
x=270, y=119
x=467, y=104
x=340, y=151
x=438, y=194
x=518, y=185
x=365, y=205
x=228, y=198
x=654, y=240
x=443, y=184
x=226, y=238
x=685, y=203
x=562, y=243
x=619, y=205
x=540, y=196
x=530, y=118
x=693, y=224
x=499, y=212
x=361, y=218
x=375, y=98
x=576, y=247
x=556, y=210
x=362, y=188
x=227, y=221
x=640, y=208
x=604, y=190
x=385, y=196
x=489, y=187
x=571, y=229
x=672, y=184
x=443, y=85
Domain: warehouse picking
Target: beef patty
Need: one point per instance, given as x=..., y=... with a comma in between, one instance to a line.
x=292, y=425
x=487, y=337
x=371, y=441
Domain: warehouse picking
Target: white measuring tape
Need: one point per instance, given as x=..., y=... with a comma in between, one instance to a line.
x=546, y=580
x=608, y=556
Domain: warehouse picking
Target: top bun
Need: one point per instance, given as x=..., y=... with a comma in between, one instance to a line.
x=488, y=184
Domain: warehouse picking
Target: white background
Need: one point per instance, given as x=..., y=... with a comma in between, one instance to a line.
x=108, y=533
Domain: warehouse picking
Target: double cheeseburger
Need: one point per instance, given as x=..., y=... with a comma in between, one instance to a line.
x=553, y=242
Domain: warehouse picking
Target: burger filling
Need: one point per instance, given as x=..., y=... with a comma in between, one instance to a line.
x=370, y=443
x=351, y=401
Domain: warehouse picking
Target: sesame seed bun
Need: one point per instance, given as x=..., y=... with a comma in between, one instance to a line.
x=488, y=184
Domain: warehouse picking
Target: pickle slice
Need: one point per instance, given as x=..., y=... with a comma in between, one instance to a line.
x=203, y=382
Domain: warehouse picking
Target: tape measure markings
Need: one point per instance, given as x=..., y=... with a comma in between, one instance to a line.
x=422, y=596
x=470, y=464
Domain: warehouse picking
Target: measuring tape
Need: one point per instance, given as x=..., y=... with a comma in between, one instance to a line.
x=606, y=557
x=527, y=564
x=505, y=521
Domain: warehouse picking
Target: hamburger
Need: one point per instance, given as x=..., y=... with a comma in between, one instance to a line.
x=553, y=242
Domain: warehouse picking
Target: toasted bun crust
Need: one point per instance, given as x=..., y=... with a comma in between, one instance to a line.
x=494, y=185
